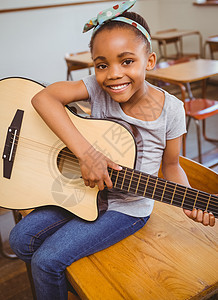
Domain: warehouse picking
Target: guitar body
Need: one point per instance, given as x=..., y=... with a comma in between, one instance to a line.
x=43, y=171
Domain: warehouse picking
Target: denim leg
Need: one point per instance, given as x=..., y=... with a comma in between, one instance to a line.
x=73, y=240
x=28, y=235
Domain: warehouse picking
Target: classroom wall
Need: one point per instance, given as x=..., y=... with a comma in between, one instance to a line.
x=33, y=43
x=183, y=14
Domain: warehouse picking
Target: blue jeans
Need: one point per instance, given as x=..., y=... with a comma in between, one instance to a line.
x=51, y=238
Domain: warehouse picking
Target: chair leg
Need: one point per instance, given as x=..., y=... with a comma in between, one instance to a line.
x=2, y=250
x=188, y=87
x=28, y=267
x=4, y=253
x=204, y=132
x=184, y=144
x=188, y=123
x=17, y=216
x=199, y=140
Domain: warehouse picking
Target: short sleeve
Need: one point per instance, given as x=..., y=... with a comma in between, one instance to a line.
x=176, y=125
x=91, y=85
x=97, y=97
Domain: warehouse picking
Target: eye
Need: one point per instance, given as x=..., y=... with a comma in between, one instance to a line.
x=101, y=66
x=128, y=62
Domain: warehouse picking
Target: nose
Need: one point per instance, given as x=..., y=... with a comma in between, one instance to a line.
x=114, y=72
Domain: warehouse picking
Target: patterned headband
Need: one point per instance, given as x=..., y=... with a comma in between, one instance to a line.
x=113, y=14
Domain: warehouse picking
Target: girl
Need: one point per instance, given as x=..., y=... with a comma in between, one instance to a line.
x=51, y=238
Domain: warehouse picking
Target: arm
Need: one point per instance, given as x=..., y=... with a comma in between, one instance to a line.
x=50, y=104
x=173, y=171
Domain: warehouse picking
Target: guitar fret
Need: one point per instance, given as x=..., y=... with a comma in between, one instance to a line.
x=173, y=194
x=208, y=203
x=184, y=196
x=146, y=185
x=195, y=199
x=154, y=188
x=163, y=191
x=138, y=183
x=130, y=182
x=124, y=176
x=116, y=179
x=212, y=205
x=169, y=193
x=149, y=186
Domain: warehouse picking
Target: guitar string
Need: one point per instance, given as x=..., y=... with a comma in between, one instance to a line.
x=69, y=155
x=187, y=204
x=131, y=172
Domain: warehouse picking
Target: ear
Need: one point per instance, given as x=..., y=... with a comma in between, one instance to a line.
x=152, y=58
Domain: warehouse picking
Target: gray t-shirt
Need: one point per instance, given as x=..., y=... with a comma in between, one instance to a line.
x=150, y=137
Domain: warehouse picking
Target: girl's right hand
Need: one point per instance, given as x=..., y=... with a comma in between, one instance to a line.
x=94, y=168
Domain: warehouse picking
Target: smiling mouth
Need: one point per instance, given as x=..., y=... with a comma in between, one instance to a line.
x=118, y=87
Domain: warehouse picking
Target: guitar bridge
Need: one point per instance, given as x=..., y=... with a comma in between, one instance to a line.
x=11, y=143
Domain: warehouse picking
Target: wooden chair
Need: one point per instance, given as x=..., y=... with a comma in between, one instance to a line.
x=212, y=42
x=72, y=65
x=198, y=109
x=172, y=257
x=176, y=42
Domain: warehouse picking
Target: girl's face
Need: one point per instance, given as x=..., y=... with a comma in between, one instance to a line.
x=121, y=60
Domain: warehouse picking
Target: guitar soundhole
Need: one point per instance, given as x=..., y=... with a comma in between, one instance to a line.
x=68, y=164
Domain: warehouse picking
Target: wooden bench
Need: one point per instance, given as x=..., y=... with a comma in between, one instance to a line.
x=172, y=257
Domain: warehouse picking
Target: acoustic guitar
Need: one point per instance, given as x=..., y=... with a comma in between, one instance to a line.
x=37, y=169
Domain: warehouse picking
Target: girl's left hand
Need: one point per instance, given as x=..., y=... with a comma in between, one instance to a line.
x=199, y=216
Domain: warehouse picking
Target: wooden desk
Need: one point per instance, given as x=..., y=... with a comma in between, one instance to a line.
x=78, y=61
x=170, y=258
x=187, y=72
x=82, y=59
x=167, y=35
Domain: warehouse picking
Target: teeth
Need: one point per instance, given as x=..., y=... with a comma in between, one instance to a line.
x=118, y=87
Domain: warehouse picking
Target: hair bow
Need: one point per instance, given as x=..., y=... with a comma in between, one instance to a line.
x=108, y=14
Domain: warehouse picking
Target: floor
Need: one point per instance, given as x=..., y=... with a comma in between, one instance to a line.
x=14, y=284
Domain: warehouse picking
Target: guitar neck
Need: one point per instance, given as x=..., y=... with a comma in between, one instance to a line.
x=153, y=187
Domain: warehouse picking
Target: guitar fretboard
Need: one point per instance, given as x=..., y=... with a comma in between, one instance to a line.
x=149, y=186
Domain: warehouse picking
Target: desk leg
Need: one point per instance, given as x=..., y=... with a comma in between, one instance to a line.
x=189, y=91
x=180, y=48
x=165, y=49
x=201, y=45
x=184, y=144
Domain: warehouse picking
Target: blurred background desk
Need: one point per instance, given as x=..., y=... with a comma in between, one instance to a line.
x=186, y=72
x=196, y=108
x=175, y=36
x=78, y=61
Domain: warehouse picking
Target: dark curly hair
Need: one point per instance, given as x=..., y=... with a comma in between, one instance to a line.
x=117, y=24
